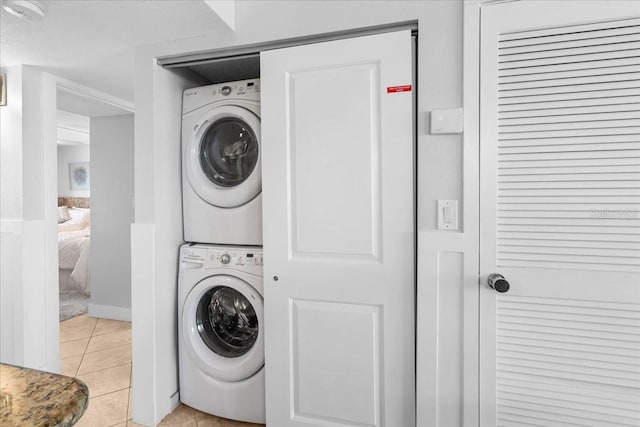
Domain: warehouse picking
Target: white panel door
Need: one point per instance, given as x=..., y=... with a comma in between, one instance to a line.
x=560, y=213
x=338, y=190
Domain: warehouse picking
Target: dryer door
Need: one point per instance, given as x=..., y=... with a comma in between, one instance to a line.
x=222, y=156
x=222, y=328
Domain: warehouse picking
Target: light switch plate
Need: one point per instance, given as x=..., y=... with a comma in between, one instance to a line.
x=447, y=214
x=447, y=121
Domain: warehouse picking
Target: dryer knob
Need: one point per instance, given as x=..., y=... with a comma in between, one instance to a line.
x=225, y=259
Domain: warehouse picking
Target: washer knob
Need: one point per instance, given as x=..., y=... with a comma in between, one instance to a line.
x=225, y=258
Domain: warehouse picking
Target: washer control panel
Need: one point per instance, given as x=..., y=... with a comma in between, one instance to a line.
x=195, y=257
x=233, y=258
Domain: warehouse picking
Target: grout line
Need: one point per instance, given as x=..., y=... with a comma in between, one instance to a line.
x=77, y=339
x=103, y=369
x=117, y=424
x=85, y=350
x=130, y=391
x=110, y=367
x=110, y=332
x=108, y=393
x=106, y=348
x=111, y=320
x=86, y=346
x=129, y=400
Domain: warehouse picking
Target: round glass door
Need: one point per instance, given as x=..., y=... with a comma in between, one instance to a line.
x=227, y=322
x=221, y=327
x=229, y=152
x=222, y=156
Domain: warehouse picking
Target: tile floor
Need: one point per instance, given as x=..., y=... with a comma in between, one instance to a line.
x=98, y=351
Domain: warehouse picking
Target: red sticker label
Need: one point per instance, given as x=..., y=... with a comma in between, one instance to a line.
x=396, y=89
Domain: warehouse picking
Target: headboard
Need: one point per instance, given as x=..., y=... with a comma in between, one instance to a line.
x=75, y=202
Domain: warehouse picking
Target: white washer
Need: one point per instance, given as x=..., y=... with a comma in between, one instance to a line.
x=221, y=164
x=220, y=331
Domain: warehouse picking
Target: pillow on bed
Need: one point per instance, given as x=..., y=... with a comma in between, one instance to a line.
x=80, y=216
x=86, y=219
x=63, y=214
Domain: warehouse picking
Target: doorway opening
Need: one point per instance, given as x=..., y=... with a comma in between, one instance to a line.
x=95, y=209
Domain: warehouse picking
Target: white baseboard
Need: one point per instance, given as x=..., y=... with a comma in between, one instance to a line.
x=110, y=312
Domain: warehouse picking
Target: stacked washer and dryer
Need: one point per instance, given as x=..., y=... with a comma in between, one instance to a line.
x=220, y=293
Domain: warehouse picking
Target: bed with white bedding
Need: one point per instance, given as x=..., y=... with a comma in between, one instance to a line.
x=74, y=244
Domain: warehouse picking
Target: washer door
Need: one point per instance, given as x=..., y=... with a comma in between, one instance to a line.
x=222, y=157
x=222, y=321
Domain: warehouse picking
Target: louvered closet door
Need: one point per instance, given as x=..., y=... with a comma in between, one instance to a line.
x=560, y=213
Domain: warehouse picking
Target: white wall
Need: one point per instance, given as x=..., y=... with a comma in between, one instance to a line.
x=446, y=382
x=11, y=147
x=29, y=277
x=71, y=154
x=155, y=238
x=112, y=188
x=10, y=215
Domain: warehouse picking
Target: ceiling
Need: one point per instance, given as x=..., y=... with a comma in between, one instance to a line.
x=92, y=42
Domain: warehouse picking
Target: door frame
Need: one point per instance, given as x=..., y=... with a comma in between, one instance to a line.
x=473, y=328
x=50, y=286
x=471, y=103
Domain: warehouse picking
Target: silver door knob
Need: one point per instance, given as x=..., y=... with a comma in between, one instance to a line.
x=498, y=282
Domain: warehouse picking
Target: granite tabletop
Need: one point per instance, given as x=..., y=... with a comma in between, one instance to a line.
x=35, y=398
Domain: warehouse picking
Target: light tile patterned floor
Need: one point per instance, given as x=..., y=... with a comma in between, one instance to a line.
x=98, y=351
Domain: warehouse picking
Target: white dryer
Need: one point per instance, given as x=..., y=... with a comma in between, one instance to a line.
x=221, y=158
x=221, y=331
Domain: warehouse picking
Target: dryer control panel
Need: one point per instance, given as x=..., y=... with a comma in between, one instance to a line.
x=200, y=96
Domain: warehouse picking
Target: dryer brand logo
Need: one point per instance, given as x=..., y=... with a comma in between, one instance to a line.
x=189, y=93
